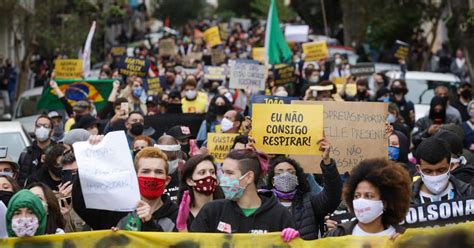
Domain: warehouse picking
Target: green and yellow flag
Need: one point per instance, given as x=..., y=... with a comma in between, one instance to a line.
x=276, y=48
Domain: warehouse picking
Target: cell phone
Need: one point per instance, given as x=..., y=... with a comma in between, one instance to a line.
x=124, y=108
x=66, y=176
x=3, y=151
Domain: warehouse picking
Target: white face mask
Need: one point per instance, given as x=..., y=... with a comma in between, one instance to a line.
x=435, y=184
x=42, y=133
x=226, y=125
x=338, y=61
x=25, y=226
x=191, y=94
x=172, y=166
x=367, y=211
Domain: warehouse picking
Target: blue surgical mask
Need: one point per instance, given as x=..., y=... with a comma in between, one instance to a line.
x=391, y=118
x=137, y=92
x=393, y=153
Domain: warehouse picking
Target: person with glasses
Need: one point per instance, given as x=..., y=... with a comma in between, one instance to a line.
x=31, y=159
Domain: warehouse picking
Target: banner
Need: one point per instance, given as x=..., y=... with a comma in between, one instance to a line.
x=284, y=74
x=296, y=33
x=215, y=73
x=154, y=86
x=167, y=47
x=258, y=54
x=362, y=69
x=131, y=66
x=124, y=239
x=247, y=74
x=315, y=51
x=212, y=36
x=356, y=131
x=219, y=145
x=118, y=51
x=287, y=129
x=270, y=100
x=96, y=91
x=68, y=68
x=217, y=56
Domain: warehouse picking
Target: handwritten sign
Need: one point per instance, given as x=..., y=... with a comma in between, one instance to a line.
x=154, y=86
x=287, y=129
x=130, y=66
x=356, y=131
x=107, y=174
x=215, y=73
x=118, y=51
x=258, y=54
x=68, y=68
x=217, y=56
x=362, y=69
x=212, y=37
x=219, y=145
x=315, y=51
x=167, y=47
x=284, y=74
x=247, y=75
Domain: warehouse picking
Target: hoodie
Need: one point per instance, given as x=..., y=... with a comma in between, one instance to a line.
x=404, y=150
x=225, y=216
x=26, y=199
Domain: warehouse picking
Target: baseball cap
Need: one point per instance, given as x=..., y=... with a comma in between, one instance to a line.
x=180, y=132
x=81, y=105
x=152, y=99
x=54, y=114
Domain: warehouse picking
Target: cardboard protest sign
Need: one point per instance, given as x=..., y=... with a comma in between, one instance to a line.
x=215, y=73
x=212, y=36
x=154, y=86
x=258, y=54
x=296, y=33
x=245, y=74
x=131, y=66
x=167, y=47
x=108, y=177
x=284, y=74
x=217, y=56
x=287, y=129
x=269, y=100
x=224, y=30
x=400, y=49
x=315, y=51
x=219, y=145
x=118, y=51
x=68, y=68
x=191, y=59
x=362, y=69
x=356, y=131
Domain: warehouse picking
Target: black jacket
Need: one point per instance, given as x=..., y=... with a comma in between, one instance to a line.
x=404, y=151
x=220, y=215
x=464, y=173
x=346, y=228
x=308, y=212
x=30, y=162
x=461, y=189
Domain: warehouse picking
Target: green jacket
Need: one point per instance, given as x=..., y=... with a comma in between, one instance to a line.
x=25, y=199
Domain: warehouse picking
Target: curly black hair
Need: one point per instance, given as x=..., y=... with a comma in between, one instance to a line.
x=391, y=179
x=303, y=185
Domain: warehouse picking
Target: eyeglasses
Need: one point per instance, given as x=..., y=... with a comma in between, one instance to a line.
x=43, y=125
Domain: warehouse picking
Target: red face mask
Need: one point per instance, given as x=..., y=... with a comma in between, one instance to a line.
x=206, y=185
x=151, y=187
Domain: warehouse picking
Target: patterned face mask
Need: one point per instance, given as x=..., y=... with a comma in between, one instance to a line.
x=285, y=182
x=231, y=187
x=25, y=226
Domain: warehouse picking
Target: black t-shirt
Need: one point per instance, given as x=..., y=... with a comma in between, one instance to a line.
x=173, y=187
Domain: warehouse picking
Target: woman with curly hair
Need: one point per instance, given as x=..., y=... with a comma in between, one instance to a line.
x=378, y=193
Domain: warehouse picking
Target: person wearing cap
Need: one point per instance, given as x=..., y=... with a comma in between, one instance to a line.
x=182, y=134
x=81, y=108
x=193, y=101
x=31, y=159
x=58, y=126
x=88, y=123
x=8, y=167
x=170, y=146
x=152, y=105
x=465, y=96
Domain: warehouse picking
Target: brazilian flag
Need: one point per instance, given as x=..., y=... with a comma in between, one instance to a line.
x=96, y=91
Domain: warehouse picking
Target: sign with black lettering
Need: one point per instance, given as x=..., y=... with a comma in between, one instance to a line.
x=154, y=86
x=284, y=74
x=118, y=51
x=247, y=74
x=131, y=66
x=362, y=69
x=219, y=145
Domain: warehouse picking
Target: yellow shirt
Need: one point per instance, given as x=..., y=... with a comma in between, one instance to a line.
x=198, y=105
x=68, y=124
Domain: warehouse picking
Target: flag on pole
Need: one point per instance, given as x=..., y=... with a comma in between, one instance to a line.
x=276, y=48
x=86, y=54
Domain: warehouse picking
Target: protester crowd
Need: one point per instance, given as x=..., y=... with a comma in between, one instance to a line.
x=183, y=189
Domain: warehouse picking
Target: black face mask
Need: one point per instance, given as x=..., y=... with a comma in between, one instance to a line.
x=397, y=90
x=68, y=176
x=220, y=110
x=136, y=129
x=362, y=93
x=57, y=171
x=466, y=94
x=5, y=196
x=174, y=108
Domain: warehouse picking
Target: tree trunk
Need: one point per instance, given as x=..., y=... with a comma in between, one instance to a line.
x=356, y=18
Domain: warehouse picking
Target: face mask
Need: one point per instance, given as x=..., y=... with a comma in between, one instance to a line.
x=338, y=61
x=151, y=187
x=228, y=95
x=57, y=171
x=10, y=174
x=285, y=182
x=172, y=166
x=206, y=185
x=25, y=226
x=221, y=110
x=391, y=118
x=178, y=80
x=137, y=92
x=42, y=134
x=226, y=125
x=231, y=187
x=136, y=129
x=174, y=108
x=313, y=79
x=191, y=94
x=435, y=184
x=471, y=114
x=393, y=153
x=5, y=196
x=58, y=130
x=397, y=90
x=466, y=94
x=362, y=93
x=367, y=211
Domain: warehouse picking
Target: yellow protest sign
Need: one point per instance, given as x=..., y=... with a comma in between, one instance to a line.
x=315, y=51
x=212, y=37
x=219, y=145
x=339, y=80
x=258, y=54
x=287, y=129
x=351, y=89
x=68, y=68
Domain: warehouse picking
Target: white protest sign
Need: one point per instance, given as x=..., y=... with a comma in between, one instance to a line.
x=107, y=174
x=297, y=33
x=247, y=74
x=3, y=221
